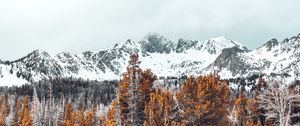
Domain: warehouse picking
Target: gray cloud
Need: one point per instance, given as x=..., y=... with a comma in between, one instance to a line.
x=79, y=25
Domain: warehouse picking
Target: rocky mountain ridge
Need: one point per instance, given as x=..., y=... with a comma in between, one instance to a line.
x=163, y=56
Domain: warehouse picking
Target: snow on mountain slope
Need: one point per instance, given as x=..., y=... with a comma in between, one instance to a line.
x=272, y=58
x=163, y=56
x=195, y=57
x=8, y=79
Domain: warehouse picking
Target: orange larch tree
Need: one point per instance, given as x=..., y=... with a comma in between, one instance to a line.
x=79, y=116
x=204, y=101
x=69, y=119
x=133, y=93
x=25, y=119
x=4, y=110
x=159, y=109
x=240, y=109
x=111, y=115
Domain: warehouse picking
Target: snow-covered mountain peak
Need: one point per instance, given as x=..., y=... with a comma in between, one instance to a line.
x=223, y=41
x=216, y=45
x=155, y=43
x=35, y=55
x=270, y=44
x=163, y=56
x=273, y=57
x=40, y=53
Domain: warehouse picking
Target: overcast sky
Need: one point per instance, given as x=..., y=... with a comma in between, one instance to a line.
x=79, y=25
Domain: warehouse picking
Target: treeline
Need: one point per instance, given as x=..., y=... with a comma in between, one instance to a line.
x=70, y=88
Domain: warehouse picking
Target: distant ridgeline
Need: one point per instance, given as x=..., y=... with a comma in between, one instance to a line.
x=166, y=58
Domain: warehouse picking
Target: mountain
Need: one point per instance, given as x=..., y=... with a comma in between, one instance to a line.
x=163, y=56
x=271, y=58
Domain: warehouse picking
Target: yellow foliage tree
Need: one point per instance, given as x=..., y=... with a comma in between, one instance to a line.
x=250, y=122
x=4, y=110
x=25, y=119
x=204, y=101
x=111, y=118
x=102, y=120
x=123, y=95
x=16, y=117
x=134, y=92
x=69, y=115
x=80, y=116
x=88, y=118
x=240, y=109
x=159, y=108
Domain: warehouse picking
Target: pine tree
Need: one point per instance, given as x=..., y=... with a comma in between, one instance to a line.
x=111, y=115
x=135, y=111
x=124, y=98
x=69, y=115
x=188, y=99
x=159, y=109
x=94, y=119
x=16, y=117
x=204, y=101
x=88, y=118
x=118, y=112
x=80, y=116
x=102, y=120
x=240, y=109
x=133, y=93
x=4, y=110
x=146, y=86
x=25, y=119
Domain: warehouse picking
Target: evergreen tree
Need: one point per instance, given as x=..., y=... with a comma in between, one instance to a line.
x=25, y=119
x=4, y=110
x=16, y=117
x=134, y=91
x=159, y=110
x=204, y=101
x=88, y=118
x=69, y=119
x=124, y=98
x=111, y=115
x=239, y=110
x=79, y=116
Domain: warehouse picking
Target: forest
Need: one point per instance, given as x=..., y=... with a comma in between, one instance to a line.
x=203, y=100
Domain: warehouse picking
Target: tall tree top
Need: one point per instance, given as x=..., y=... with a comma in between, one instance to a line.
x=134, y=60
